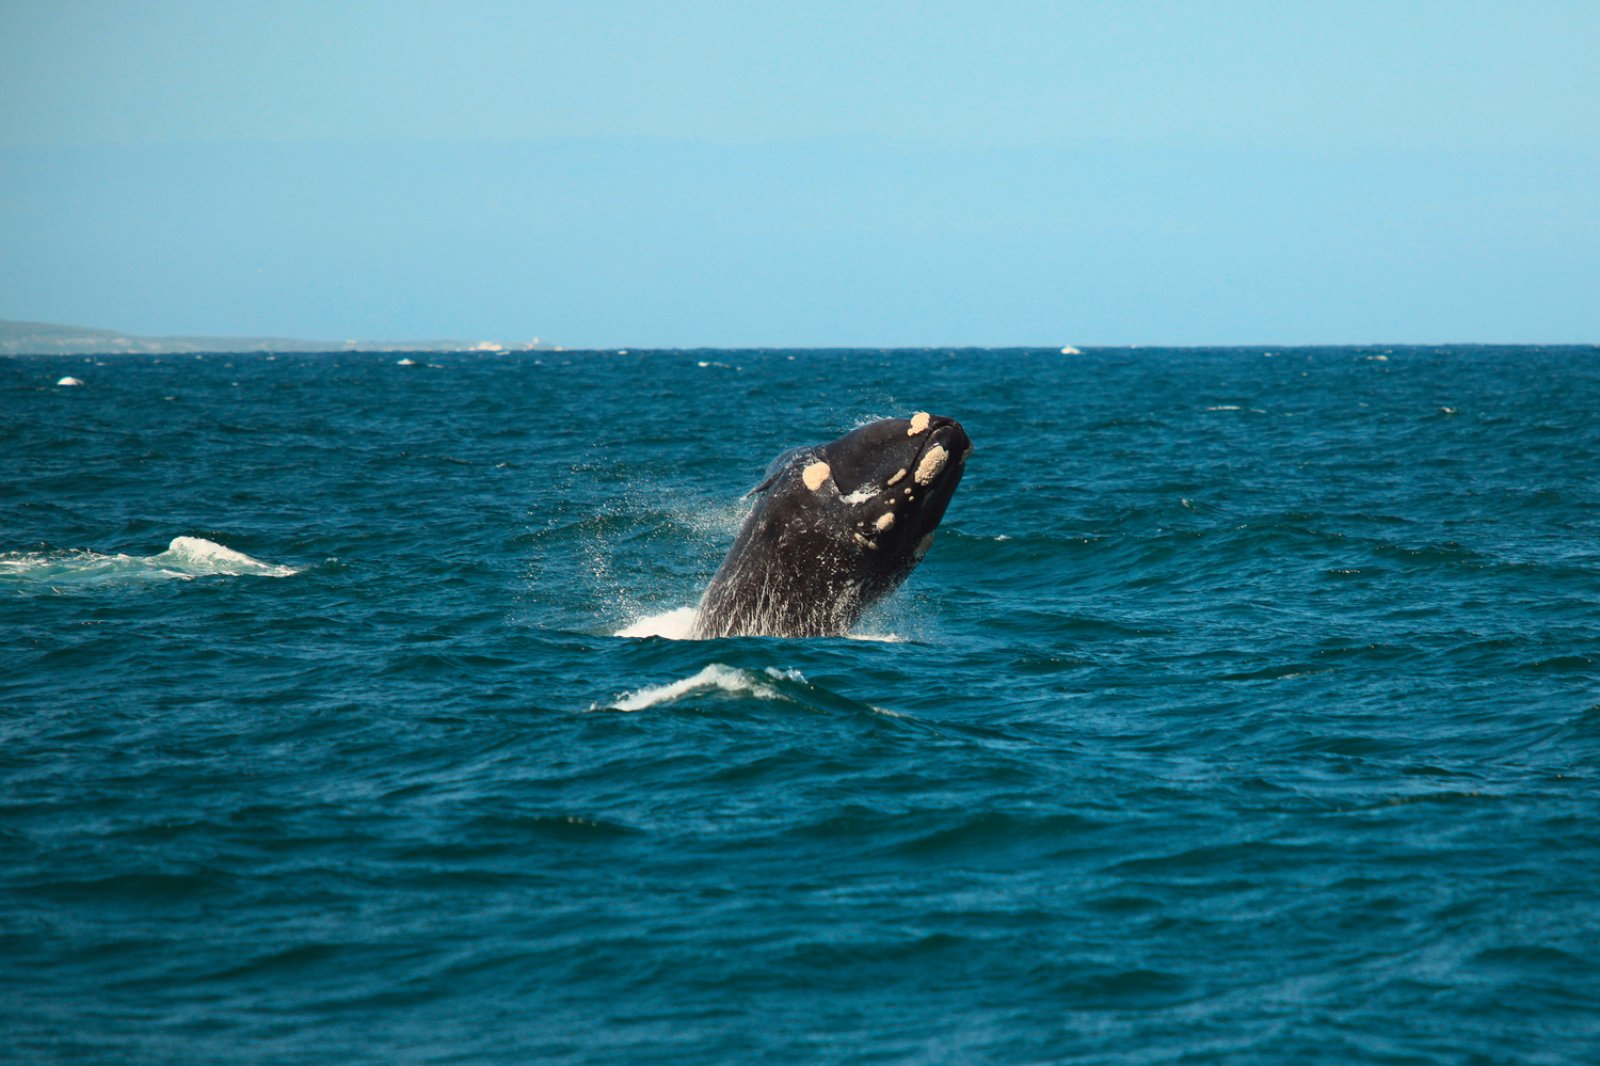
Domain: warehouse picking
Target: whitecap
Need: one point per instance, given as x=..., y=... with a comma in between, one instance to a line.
x=197, y=556
x=185, y=559
x=715, y=677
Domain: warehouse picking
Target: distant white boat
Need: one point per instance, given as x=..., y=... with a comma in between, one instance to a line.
x=69, y=381
x=406, y=362
x=1070, y=350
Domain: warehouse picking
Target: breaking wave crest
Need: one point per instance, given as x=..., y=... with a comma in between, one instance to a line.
x=185, y=559
x=728, y=679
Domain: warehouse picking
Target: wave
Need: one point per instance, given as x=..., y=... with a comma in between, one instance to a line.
x=714, y=677
x=722, y=683
x=185, y=559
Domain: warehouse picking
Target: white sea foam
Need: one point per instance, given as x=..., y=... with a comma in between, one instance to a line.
x=185, y=559
x=714, y=677
x=197, y=556
x=678, y=624
x=673, y=625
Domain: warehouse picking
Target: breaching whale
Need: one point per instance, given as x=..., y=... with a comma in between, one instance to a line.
x=837, y=527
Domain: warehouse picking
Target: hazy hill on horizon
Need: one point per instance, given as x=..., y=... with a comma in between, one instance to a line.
x=47, y=338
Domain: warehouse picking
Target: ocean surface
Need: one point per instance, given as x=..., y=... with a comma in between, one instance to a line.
x=1246, y=710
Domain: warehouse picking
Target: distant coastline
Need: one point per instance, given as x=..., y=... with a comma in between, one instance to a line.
x=46, y=338
x=51, y=339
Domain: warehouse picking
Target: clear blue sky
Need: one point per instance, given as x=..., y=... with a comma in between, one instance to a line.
x=818, y=173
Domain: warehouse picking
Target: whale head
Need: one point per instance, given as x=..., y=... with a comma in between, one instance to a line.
x=890, y=482
x=837, y=526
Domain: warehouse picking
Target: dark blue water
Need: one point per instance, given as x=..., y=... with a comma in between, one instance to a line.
x=1246, y=710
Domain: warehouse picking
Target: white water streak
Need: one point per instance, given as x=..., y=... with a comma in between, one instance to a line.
x=185, y=559
x=714, y=677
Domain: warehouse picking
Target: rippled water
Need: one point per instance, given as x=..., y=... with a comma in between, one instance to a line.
x=1247, y=709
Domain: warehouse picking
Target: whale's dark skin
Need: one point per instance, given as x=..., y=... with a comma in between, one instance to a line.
x=836, y=527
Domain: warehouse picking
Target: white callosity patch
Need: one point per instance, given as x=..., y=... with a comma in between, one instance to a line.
x=898, y=474
x=860, y=496
x=885, y=522
x=919, y=422
x=814, y=475
x=932, y=462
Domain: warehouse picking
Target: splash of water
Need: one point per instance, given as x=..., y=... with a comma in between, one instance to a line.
x=185, y=559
